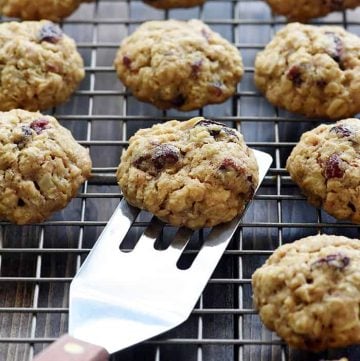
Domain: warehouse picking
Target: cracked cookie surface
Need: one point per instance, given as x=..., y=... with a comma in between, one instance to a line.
x=326, y=166
x=309, y=292
x=303, y=10
x=314, y=71
x=41, y=166
x=168, y=4
x=40, y=9
x=178, y=64
x=40, y=66
x=196, y=173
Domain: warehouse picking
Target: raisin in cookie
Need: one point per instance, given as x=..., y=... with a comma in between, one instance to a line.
x=303, y=10
x=311, y=70
x=309, y=292
x=168, y=4
x=326, y=166
x=41, y=166
x=195, y=173
x=40, y=9
x=40, y=66
x=184, y=65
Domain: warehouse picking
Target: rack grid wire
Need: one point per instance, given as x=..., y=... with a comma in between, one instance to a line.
x=38, y=262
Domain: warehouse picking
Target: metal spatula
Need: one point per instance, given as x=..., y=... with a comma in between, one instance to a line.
x=118, y=299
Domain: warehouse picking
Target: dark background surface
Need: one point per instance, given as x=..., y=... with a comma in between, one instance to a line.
x=39, y=261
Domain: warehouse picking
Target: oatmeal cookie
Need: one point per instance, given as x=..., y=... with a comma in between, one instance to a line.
x=176, y=64
x=169, y=4
x=303, y=10
x=311, y=70
x=40, y=9
x=309, y=292
x=40, y=66
x=41, y=166
x=326, y=166
x=196, y=173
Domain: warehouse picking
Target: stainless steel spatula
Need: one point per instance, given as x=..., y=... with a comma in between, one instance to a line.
x=118, y=299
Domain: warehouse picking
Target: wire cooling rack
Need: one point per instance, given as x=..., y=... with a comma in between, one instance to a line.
x=39, y=261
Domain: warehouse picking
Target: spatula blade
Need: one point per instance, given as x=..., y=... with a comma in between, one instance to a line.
x=119, y=299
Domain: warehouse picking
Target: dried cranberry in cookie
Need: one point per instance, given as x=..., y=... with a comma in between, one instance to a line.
x=230, y=163
x=294, y=74
x=196, y=68
x=338, y=261
x=178, y=64
x=165, y=154
x=325, y=164
x=308, y=292
x=158, y=158
x=143, y=162
x=195, y=173
x=336, y=50
x=127, y=61
x=217, y=130
x=216, y=88
x=341, y=131
x=333, y=167
x=50, y=32
x=38, y=125
x=311, y=70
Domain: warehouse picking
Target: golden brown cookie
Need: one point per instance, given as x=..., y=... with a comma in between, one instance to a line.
x=303, y=10
x=309, y=292
x=41, y=166
x=169, y=4
x=39, y=9
x=179, y=64
x=40, y=65
x=326, y=166
x=311, y=70
x=196, y=173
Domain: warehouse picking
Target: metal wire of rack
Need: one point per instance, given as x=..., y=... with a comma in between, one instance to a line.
x=37, y=262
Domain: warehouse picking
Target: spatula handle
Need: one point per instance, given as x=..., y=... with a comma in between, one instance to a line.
x=68, y=348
